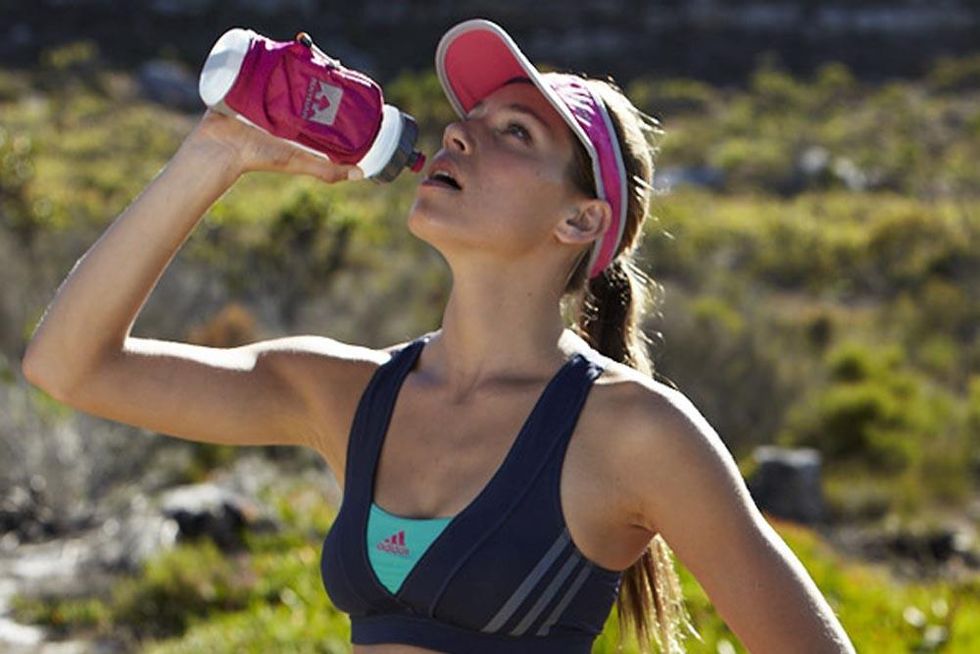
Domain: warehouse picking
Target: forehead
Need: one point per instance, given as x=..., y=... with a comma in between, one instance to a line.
x=524, y=97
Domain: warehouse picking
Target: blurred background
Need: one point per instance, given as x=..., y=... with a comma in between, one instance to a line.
x=816, y=241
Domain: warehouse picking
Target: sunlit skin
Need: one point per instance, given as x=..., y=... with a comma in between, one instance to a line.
x=510, y=236
x=516, y=188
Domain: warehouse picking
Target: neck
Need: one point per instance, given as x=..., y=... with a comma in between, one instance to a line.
x=497, y=326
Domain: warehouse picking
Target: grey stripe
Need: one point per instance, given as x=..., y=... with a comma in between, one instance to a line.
x=548, y=594
x=569, y=594
x=507, y=610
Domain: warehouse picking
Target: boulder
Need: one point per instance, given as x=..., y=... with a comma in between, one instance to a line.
x=210, y=511
x=698, y=176
x=124, y=543
x=786, y=483
x=25, y=512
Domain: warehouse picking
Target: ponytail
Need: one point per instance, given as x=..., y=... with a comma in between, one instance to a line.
x=609, y=320
x=607, y=312
x=650, y=600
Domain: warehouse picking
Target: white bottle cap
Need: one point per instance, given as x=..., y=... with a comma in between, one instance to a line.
x=223, y=64
x=383, y=148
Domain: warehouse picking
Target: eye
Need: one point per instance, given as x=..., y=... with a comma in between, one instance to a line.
x=524, y=135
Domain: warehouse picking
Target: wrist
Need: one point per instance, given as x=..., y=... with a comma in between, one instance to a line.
x=213, y=155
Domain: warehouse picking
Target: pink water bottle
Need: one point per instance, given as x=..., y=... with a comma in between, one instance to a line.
x=295, y=91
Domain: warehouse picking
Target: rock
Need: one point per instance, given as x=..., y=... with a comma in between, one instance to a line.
x=210, y=511
x=123, y=544
x=813, y=165
x=914, y=551
x=699, y=176
x=25, y=513
x=932, y=546
x=787, y=483
x=169, y=84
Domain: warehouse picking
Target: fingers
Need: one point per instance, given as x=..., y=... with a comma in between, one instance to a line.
x=274, y=155
x=322, y=168
x=336, y=173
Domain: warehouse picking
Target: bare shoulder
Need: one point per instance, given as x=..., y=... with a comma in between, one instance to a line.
x=659, y=442
x=684, y=485
x=640, y=401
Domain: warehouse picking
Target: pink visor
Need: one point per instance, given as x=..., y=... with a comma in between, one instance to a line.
x=476, y=57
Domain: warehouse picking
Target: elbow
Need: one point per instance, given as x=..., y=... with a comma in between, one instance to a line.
x=43, y=374
x=30, y=367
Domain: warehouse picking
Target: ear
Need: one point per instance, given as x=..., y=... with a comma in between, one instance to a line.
x=584, y=222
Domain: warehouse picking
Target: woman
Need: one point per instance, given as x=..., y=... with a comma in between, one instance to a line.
x=506, y=478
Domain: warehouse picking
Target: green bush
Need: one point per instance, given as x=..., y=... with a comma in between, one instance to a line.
x=749, y=162
x=673, y=97
x=179, y=588
x=872, y=409
x=973, y=425
x=905, y=247
x=953, y=75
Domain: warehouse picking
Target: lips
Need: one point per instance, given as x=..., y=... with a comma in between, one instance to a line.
x=445, y=173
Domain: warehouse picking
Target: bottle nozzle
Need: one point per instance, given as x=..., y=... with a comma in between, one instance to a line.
x=416, y=161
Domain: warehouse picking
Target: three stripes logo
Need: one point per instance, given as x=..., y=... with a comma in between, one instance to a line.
x=394, y=544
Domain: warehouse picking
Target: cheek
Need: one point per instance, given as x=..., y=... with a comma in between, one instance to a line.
x=520, y=187
x=528, y=200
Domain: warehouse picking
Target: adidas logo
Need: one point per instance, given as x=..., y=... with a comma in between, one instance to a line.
x=394, y=544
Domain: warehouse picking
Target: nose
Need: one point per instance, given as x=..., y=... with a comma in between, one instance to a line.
x=456, y=137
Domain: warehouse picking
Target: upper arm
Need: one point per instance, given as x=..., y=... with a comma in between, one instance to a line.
x=294, y=390
x=690, y=490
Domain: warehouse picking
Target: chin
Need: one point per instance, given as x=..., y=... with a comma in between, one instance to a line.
x=418, y=223
x=453, y=232
x=436, y=230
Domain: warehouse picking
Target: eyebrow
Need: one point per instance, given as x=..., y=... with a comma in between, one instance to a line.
x=524, y=109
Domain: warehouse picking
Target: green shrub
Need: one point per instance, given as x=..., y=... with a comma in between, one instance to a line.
x=936, y=307
x=750, y=162
x=872, y=409
x=63, y=616
x=953, y=75
x=178, y=588
x=973, y=426
x=776, y=91
x=672, y=97
x=18, y=211
x=905, y=247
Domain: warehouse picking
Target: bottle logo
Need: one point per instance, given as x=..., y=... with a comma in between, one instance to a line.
x=322, y=102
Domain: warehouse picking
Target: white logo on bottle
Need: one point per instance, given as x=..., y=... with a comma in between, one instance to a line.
x=322, y=102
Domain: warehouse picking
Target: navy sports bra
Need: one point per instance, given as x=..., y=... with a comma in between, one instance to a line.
x=503, y=575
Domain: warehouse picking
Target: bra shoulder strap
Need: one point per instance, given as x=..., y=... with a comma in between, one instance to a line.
x=374, y=411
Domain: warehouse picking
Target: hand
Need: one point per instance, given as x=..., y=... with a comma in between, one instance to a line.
x=251, y=149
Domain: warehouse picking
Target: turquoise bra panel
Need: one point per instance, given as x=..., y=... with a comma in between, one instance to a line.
x=395, y=544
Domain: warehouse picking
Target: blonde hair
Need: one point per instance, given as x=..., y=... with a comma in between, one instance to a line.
x=608, y=311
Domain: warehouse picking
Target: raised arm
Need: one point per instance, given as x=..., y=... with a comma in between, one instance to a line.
x=689, y=489
x=82, y=352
